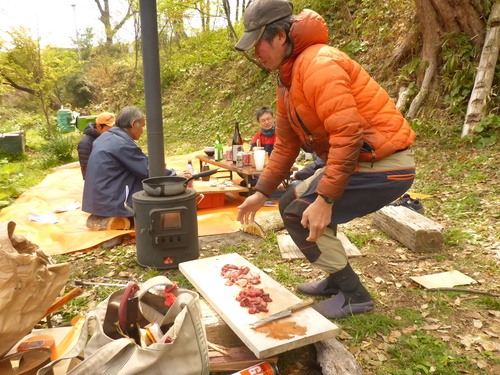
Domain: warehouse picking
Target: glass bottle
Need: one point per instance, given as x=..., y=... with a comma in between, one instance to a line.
x=237, y=141
x=218, y=148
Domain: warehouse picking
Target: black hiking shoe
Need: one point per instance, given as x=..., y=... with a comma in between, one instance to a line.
x=412, y=204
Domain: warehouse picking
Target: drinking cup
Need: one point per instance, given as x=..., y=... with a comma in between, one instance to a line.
x=260, y=158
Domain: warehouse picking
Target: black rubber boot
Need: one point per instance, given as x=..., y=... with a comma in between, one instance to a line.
x=324, y=287
x=352, y=298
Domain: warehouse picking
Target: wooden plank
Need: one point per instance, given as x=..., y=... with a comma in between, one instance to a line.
x=289, y=250
x=413, y=230
x=304, y=327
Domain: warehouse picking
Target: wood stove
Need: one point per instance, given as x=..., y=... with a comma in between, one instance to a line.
x=166, y=229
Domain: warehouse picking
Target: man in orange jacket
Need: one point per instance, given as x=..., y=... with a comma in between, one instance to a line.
x=327, y=103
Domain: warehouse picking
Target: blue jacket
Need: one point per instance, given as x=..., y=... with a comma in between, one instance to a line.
x=115, y=162
x=85, y=146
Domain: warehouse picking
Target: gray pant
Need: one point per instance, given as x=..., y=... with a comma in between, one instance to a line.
x=370, y=188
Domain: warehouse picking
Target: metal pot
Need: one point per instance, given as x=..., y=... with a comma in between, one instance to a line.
x=170, y=185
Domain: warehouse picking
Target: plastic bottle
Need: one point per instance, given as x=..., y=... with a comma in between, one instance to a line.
x=237, y=141
x=190, y=169
x=218, y=148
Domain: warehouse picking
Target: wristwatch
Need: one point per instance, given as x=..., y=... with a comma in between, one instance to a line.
x=327, y=199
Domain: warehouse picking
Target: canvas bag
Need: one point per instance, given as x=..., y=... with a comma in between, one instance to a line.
x=107, y=352
x=30, y=282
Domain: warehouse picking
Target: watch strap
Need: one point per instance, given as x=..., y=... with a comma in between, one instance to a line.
x=327, y=199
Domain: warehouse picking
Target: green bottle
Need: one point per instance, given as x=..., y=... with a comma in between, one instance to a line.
x=218, y=148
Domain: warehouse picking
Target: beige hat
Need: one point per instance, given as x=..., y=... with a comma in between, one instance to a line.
x=105, y=118
x=258, y=15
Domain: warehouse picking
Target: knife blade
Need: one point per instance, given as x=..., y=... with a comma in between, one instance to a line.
x=284, y=313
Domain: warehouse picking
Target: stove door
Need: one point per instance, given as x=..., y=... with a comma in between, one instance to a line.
x=169, y=226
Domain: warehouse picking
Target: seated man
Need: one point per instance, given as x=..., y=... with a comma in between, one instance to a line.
x=116, y=162
x=103, y=123
x=265, y=137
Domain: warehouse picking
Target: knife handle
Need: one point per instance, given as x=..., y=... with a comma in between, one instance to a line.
x=305, y=303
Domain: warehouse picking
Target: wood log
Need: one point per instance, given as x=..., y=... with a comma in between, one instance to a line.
x=264, y=224
x=237, y=359
x=413, y=230
x=485, y=73
x=334, y=359
x=289, y=250
x=226, y=350
x=218, y=332
x=98, y=223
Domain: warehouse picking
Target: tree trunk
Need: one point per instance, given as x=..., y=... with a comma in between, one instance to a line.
x=485, y=73
x=437, y=18
x=105, y=18
x=406, y=47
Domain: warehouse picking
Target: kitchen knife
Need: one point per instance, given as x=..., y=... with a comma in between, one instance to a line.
x=284, y=313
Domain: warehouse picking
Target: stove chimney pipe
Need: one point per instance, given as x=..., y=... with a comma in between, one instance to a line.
x=152, y=88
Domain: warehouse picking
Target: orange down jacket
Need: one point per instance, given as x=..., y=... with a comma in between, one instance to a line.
x=329, y=103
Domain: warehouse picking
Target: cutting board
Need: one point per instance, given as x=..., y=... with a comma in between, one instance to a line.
x=302, y=328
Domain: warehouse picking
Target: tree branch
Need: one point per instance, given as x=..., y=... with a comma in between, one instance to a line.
x=18, y=87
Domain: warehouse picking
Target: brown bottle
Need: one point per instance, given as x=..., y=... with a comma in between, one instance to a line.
x=237, y=141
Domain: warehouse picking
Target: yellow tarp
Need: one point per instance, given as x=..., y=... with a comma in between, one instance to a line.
x=64, y=188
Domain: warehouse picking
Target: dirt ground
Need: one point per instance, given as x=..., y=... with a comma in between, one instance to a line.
x=385, y=267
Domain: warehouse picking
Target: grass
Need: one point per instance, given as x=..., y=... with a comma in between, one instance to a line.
x=391, y=340
x=463, y=182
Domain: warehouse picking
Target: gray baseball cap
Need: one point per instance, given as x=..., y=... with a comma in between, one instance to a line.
x=258, y=15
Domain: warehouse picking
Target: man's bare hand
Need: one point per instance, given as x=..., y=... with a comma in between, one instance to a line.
x=248, y=209
x=316, y=217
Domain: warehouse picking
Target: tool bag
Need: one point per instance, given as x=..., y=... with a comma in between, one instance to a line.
x=109, y=352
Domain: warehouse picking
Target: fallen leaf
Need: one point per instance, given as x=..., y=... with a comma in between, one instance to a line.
x=481, y=364
x=490, y=346
x=381, y=357
x=490, y=332
x=468, y=340
x=395, y=334
x=431, y=327
x=477, y=323
x=344, y=336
